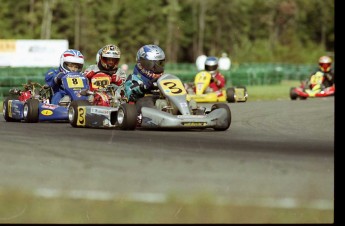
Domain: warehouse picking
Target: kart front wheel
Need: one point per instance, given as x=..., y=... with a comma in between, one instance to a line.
x=6, y=110
x=127, y=116
x=293, y=94
x=73, y=113
x=226, y=123
x=30, y=112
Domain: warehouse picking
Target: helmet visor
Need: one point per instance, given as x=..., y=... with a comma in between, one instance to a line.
x=211, y=68
x=325, y=66
x=111, y=63
x=156, y=66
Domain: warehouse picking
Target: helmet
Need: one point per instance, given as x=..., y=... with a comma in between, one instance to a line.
x=151, y=61
x=71, y=58
x=109, y=57
x=97, y=55
x=325, y=63
x=211, y=64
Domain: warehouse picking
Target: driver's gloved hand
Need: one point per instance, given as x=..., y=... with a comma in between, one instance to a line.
x=58, y=77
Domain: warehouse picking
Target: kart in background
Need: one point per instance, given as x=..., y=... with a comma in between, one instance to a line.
x=312, y=88
x=166, y=107
x=200, y=92
x=33, y=105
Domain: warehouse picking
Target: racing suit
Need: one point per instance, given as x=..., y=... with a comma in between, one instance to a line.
x=217, y=82
x=117, y=76
x=327, y=81
x=52, y=79
x=137, y=85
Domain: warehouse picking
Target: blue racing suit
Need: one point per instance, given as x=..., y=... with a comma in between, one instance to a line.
x=52, y=78
x=137, y=85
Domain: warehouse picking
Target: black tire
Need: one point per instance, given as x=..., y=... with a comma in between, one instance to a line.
x=31, y=111
x=293, y=94
x=127, y=116
x=5, y=110
x=230, y=95
x=73, y=111
x=227, y=123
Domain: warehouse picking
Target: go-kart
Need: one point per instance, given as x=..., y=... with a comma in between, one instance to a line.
x=312, y=88
x=165, y=108
x=33, y=105
x=200, y=92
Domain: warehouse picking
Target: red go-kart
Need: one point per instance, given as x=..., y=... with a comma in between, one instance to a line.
x=312, y=88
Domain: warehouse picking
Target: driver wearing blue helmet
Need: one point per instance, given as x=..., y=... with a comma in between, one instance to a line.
x=149, y=67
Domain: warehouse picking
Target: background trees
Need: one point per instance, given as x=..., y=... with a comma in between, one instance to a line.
x=291, y=31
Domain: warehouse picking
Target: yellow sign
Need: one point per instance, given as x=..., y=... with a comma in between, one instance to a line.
x=7, y=45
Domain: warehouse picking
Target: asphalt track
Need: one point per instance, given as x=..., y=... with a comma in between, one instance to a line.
x=275, y=153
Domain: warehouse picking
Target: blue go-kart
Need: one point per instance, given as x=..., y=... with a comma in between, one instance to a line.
x=32, y=104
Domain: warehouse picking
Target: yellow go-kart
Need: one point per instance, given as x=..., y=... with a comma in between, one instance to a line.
x=202, y=93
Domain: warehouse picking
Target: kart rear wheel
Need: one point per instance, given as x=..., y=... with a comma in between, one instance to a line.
x=5, y=110
x=127, y=116
x=30, y=112
x=230, y=95
x=293, y=94
x=226, y=124
x=73, y=112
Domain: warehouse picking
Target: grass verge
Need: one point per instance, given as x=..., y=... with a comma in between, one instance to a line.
x=19, y=207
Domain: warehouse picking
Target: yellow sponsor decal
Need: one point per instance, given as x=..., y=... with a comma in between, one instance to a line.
x=46, y=112
x=194, y=123
x=9, y=109
x=7, y=45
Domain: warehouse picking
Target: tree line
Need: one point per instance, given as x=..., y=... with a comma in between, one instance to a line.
x=291, y=31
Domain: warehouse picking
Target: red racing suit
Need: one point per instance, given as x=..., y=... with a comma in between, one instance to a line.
x=117, y=77
x=217, y=82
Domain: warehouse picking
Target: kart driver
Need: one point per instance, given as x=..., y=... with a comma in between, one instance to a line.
x=149, y=67
x=218, y=80
x=325, y=68
x=107, y=61
x=70, y=61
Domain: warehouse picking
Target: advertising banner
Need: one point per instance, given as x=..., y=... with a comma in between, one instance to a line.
x=31, y=53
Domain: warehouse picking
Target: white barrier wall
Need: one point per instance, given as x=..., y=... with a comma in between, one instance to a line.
x=31, y=53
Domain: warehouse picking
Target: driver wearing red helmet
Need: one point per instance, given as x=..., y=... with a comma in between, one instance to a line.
x=326, y=70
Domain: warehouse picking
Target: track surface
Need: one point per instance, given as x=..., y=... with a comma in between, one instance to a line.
x=275, y=153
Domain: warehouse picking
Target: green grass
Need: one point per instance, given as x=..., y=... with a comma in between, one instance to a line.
x=19, y=207
x=271, y=92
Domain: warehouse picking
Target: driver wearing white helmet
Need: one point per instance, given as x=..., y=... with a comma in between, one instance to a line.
x=70, y=61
